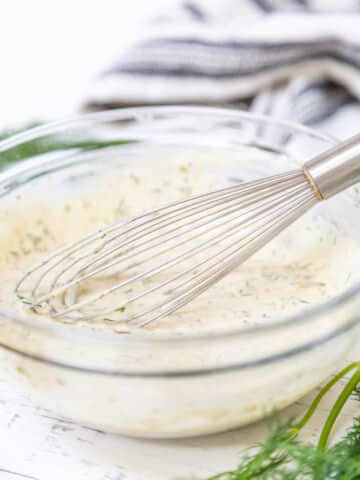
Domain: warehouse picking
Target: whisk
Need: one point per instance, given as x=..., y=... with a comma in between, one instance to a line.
x=150, y=265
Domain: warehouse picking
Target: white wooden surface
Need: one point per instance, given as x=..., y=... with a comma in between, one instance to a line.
x=35, y=444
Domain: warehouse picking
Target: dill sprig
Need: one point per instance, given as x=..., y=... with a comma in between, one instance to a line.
x=52, y=143
x=282, y=456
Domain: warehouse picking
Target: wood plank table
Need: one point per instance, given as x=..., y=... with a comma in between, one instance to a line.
x=37, y=445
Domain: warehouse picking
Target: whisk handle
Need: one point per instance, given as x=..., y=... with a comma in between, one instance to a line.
x=336, y=169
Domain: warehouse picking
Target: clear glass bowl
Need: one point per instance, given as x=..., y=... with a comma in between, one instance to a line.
x=136, y=384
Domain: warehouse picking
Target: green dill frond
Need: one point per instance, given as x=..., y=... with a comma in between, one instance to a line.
x=282, y=456
x=261, y=462
x=356, y=393
x=46, y=144
x=344, y=457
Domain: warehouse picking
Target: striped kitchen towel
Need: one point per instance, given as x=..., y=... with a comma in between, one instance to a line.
x=295, y=59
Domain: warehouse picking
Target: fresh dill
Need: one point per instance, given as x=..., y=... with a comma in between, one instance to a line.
x=121, y=208
x=135, y=178
x=283, y=456
x=53, y=143
x=26, y=302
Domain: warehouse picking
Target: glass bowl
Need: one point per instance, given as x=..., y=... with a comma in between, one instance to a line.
x=165, y=385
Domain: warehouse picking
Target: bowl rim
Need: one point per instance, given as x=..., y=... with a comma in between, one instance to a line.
x=121, y=113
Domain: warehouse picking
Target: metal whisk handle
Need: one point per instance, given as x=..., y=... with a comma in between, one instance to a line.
x=336, y=169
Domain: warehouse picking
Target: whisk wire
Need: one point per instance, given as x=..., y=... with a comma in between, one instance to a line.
x=169, y=255
x=148, y=245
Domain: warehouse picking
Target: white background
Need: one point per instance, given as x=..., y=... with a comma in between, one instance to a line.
x=51, y=49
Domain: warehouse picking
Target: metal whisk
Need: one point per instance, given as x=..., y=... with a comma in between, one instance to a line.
x=148, y=266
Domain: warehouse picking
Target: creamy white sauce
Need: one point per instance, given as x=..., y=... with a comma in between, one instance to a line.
x=308, y=264
x=312, y=262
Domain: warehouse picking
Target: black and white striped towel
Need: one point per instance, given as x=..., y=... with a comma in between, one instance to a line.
x=295, y=59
